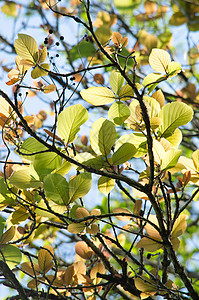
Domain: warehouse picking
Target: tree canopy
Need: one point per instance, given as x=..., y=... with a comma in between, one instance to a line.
x=99, y=120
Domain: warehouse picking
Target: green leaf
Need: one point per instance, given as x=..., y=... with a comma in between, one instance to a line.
x=45, y=163
x=123, y=153
x=38, y=72
x=105, y=185
x=118, y=113
x=154, y=106
x=151, y=79
x=174, y=115
x=64, y=168
x=170, y=158
x=26, y=47
x=11, y=255
x=25, y=177
x=2, y=225
x=82, y=49
x=56, y=189
x=98, y=95
x=46, y=214
x=136, y=139
x=102, y=136
x=70, y=120
x=29, y=146
x=175, y=139
x=6, y=197
x=79, y=186
x=116, y=81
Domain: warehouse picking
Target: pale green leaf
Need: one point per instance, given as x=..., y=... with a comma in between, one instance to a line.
x=159, y=60
x=79, y=186
x=173, y=68
x=98, y=95
x=195, y=157
x=175, y=139
x=174, y=114
x=45, y=163
x=118, y=113
x=11, y=255
x=56, y=189
x=24, y=177
x=170, y=158
x=116, y=81
x=64, y=168
x=45, y=213
x=26, y=47
x=102, y=136
x=105, y=185
x=154, y=106
x=152, y=80
x=137, y=139
x=158, y=151
x=125, y=152
x=70, y=120
x=30, y=146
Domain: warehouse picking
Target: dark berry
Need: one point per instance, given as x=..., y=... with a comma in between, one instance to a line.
x=57, y=55
x=50, y=31
x=20, y=94
x=45, y=42
x=61, y=38
x=57, y=43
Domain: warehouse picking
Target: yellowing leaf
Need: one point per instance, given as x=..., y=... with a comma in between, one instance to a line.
x=39, y=72
x=45, y=258
x=98, y=268
x=118, y=113
x=102, y=136
x=175, y=139
x=105, y=185
x=173, y=68
x=159, y=96
x=149, y=244
x=98, y=95
x=152, y=80
x=49, y=88
x=126, y=93
x=76, y=228
x=42, y=55
x=83, y=250
x=8, y=235
x=26, y=47
x=179, y=226
x=27, y=267
x=70, y=120
x=159, y=60
x=119, y=210
x=81, y=212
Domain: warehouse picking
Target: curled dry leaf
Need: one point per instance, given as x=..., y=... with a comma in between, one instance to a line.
x=83, y=250
x=45, y=258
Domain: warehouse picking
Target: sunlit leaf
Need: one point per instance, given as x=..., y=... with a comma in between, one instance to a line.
x=98, y=95
x=26, y=47
x=49, y=88
x=179, y=226
x=79, y=186
x=83, y=250
x=56, y=188
x=195, y=157
x=39, y=72
x=98, y=268
x=152, y=80
x=70, y=120
x=126, y=93
x=11, y=255
x=175, y=139
x=102, y=136
x=119, y=210
x=173, y=68
x=125, y=152
x=159, y=60
x=76, y=228
x=116, y=81
x=118, y=113
x=174, y=114
x=159, y=96
x=170, y=158
x=105, y=185
x=149, y=244
x=24, y=178
x=45, y=258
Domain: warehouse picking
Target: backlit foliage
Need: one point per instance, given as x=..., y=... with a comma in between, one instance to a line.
x=99, y=183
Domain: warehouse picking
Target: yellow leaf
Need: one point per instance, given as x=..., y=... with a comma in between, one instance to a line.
x=179, y=226
x=98, y=268
x=126, y=93
x=45, y=258
x=76, y=228
x=122, y=210
x=83, y=250
x=27, y=267
x=105, y=185
x=39, y=72
x=159, y=96
x=159, y=60
x=42, y=55
x=148, y=244
x=98, y=95
x=8, y=235
x=195, y=157
x=49, y=88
